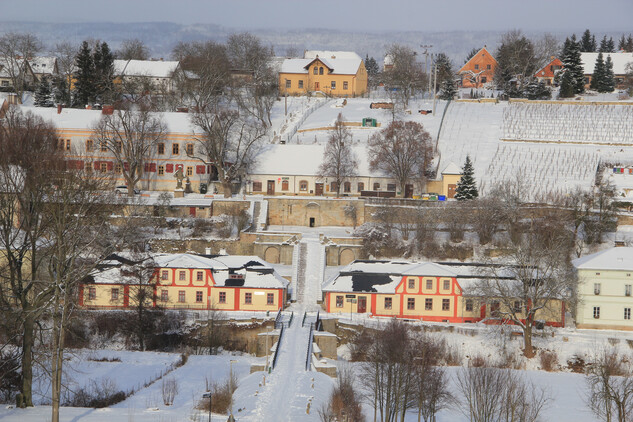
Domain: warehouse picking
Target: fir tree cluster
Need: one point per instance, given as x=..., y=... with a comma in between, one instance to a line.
x=603, y=79
x=95, y=74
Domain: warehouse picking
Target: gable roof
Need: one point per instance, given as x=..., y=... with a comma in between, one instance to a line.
x=452, y=168
x=339, y=62
x=149, y=68
x=185, y=260
x=44, y=65
x=620, y=61
x=610, y=259
x=483, y=49
x=299, y=160
x=545, y=70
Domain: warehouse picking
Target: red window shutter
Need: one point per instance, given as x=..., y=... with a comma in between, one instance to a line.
x=199, y=169
x=169, y=168
x=110, y=165
x=126, y=166
x=152, y=167
x=208, y=169
x=96, y=164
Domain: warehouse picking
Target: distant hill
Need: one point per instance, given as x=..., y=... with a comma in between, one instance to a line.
x=162, y=36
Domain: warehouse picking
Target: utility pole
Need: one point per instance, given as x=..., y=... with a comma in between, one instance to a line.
x=434, y=88
x=426, y=53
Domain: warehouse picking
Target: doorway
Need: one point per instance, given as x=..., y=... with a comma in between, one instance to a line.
x=270, y=187
x=408, y=191
x=316, y=86
x=312, y=222
x=451, y=191
x=362, y=304
x=318, y=189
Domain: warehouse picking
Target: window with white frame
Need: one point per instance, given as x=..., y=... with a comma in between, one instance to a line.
x=627, y=290
x=596, y=312
x=596, y=288
x=627, y=313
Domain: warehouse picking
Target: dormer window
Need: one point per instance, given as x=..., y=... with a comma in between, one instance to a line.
x=321, y=70
x=315, y=70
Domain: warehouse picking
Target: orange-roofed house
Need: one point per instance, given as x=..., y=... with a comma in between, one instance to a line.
x=548, y=72
x=479, y=71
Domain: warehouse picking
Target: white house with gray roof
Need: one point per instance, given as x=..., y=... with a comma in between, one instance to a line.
x=605, y=282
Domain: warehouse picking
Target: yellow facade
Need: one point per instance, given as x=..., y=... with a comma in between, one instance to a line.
x=332, y=84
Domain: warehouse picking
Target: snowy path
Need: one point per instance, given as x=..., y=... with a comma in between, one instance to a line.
x=290, y=388
x=311, y=271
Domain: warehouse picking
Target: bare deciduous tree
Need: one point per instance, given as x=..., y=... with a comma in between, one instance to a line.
x=499, y=395
x=256, y=89
x=15, y=50
x=66, y=54
x=405, y=75
x=27, y=166
x=131, y=136
x=207, y=72
x=402, y=150
x=534, y=277
x=133, y=49
x=610, y=387
x=228, y=141
x=339, y=161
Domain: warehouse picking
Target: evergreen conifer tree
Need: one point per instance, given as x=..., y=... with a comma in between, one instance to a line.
x=43, y=97
x=594, y=44
x=629, y=44
x=608, y=81
x=599, y=73
x=573, y=78
x=60, y=90
x=610, y=45
x=104, y=73
x=622, y=43
x=466, y=186
x=448, y=90
x=585, y=42
x=85, y=90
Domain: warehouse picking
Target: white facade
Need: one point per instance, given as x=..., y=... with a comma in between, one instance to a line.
x=605, y=289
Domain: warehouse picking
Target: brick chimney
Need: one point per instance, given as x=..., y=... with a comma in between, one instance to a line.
x=59, y=108
x=107, y=110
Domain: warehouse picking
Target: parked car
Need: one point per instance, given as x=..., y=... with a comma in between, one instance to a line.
x=122, y=190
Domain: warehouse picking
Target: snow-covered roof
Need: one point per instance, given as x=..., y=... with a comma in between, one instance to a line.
x=452, y=168
x=253, y=277
x=620, y=258
x=185, y=260
x=151, y=68
x=43, y=65
x=228, y=271
x=620, y=60
x=72, y=118
x=304, y=160
x=430, y=269
x=340, y=62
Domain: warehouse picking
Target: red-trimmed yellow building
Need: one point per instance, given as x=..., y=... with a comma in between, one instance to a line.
x=479, y=71
x=185, y=281
x=425, y=291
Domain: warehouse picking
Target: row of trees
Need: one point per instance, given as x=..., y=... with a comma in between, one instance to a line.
x=588, y=43
x=402, y=150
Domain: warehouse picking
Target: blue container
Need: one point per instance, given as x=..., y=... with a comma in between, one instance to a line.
x=441, y=197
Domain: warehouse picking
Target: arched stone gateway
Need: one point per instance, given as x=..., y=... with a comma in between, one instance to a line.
x=271, y=255
x=346, y=256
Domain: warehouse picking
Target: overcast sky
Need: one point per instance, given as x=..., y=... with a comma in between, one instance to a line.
x=366, y=15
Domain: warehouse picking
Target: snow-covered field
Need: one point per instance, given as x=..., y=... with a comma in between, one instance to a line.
x=556, y=148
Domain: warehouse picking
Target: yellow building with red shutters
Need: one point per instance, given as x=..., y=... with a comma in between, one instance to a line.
x=185, y=281
x=335, y=73
x=426, y=291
